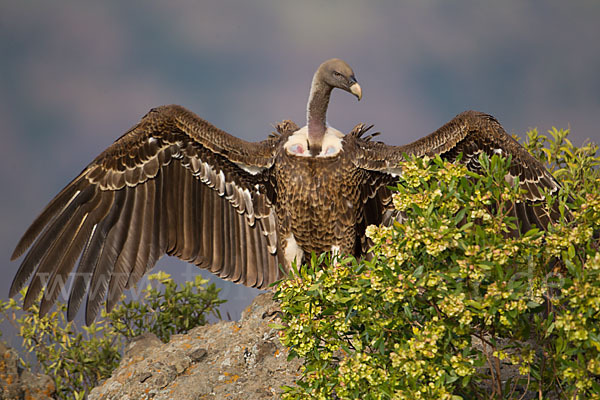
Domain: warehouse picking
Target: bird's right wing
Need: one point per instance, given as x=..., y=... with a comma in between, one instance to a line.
x=173, y=184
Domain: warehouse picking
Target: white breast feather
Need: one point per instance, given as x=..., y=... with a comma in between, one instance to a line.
x=297, y=144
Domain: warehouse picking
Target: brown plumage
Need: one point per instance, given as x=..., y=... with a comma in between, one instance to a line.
x=174, y=184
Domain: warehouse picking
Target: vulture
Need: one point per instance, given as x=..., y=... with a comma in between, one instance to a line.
x=175, y=184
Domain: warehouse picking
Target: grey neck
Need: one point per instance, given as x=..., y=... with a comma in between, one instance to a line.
x=316, y=113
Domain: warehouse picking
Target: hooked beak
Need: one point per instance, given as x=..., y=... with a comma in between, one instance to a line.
x=356, y=90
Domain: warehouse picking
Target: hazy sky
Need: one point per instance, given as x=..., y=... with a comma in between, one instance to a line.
x=75, y=75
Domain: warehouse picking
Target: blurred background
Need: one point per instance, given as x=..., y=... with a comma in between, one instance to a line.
x=75, y=75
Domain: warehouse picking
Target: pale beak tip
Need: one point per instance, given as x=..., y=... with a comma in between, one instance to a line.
x=356, y=90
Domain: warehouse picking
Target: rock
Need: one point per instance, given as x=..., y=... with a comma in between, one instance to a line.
x=226, y=360
x=142, y=345
x=16, y=383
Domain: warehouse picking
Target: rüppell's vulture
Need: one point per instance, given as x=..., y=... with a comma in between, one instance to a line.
x=175, y=184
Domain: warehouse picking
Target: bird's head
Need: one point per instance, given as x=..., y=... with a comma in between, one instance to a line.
x=338, y=74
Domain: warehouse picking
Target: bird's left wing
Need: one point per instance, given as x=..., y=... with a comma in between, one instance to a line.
x=470, y=134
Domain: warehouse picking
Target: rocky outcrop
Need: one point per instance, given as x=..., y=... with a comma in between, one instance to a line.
x=226, y=360
x=17, y=383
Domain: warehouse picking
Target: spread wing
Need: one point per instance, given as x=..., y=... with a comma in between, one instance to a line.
x=173, y=184
x=469, y=133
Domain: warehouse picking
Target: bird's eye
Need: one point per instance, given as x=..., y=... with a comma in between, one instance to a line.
x=337, y=74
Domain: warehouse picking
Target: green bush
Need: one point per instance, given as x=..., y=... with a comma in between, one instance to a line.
x=78, y=358
x=169, y=311
x=450, y=307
